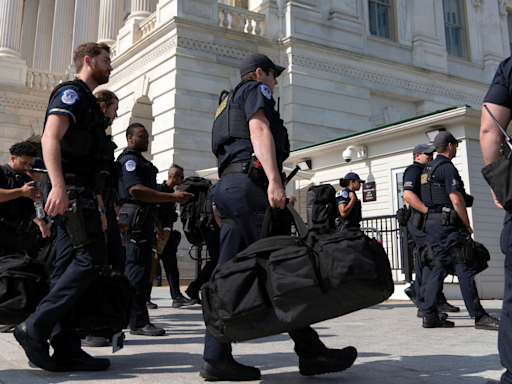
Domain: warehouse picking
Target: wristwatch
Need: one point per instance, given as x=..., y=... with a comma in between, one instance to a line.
x=103, y=209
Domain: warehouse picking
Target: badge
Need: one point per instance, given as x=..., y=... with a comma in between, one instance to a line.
x=69, y=96
x=344, y=194
x=424, y=178
x=130, y=165
x=265, y=90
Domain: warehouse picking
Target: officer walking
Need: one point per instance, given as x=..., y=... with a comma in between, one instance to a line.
x=447, y=227
x=77, y=155
x=16, y=191
x=499, y=102
x=349, y=212
x=138, y=194
x=246, y=187
x=423, y=154
x=167, y=216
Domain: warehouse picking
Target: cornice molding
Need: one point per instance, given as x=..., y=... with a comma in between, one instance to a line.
x=22, y=104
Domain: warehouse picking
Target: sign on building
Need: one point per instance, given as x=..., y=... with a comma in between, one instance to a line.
x=369, y=191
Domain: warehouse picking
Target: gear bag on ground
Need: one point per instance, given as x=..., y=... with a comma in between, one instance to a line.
x=283, y=283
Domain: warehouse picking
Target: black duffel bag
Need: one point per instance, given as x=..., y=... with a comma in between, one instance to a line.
x=24, y=282
x=107, y=303
x=283, y=283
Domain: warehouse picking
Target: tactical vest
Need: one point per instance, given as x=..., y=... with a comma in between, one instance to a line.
x=433, y=192
x=231, y=123
x=17, y=212
x=355, y=216
x=149, y=172
x=87, y=144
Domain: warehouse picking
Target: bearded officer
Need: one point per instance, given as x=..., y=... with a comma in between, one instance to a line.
x=77, y=154
x=241, y=203
x=442, y=191
x=499, y=102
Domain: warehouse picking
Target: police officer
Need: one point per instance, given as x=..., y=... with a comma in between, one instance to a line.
x=442, y=191
x=16, y=191
x=77, y=155
x=246, y=187
x=167, y=216
x=349, y=212
x=423, y=154
x=499, y=102
x=139, y=194
x=210, y=231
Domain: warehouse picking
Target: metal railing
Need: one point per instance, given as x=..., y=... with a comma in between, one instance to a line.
x=199, y=253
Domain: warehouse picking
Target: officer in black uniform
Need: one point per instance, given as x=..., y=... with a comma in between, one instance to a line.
x=139, y=194
x=423, y=154
x=167, y=216
x=349, y=213
x=447, y=227
x=499, y=102
x=246, y=187
x=78, y=156
x=16, y=191
x=210, y=231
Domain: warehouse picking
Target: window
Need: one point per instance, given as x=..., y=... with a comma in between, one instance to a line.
x=454, y=27
x=381, y=18
x=509, y=23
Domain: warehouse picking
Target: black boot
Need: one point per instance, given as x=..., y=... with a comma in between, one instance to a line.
x=334, y=360
x=221, y=370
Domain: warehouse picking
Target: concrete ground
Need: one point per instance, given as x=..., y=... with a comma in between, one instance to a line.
x=392, y=346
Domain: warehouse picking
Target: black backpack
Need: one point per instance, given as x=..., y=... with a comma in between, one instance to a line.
x=207, y=220
x=321, y=206
x=190, y=212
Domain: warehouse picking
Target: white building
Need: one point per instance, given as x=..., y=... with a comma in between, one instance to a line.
x=350, y=64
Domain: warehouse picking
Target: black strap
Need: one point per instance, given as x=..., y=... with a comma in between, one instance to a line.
x=434, y=216
x=228, y=221
x=235, y=168
x=266, y=227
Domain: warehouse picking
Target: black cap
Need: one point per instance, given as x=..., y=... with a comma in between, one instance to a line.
x=353, y=176
x=257, y=60
x=423, y=148
x=444, y=138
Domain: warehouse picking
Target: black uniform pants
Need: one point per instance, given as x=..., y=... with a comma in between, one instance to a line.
x=442, y=238
x=245, y=201
x=212, y=241
x=170, y=262
x=505, y=332
x=116, y=256
x=73, y=271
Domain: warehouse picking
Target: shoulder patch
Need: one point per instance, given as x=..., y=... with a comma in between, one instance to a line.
x=424, y=178
x=69, y=96
x=344, y=194
x=408, y=184
x=265, y=90
x=130, y=165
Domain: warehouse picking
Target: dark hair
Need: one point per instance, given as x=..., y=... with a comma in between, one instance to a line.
x=130, y=131
x=252, y=75
x=90, y=49
x=344, y=182
x=175, y=166
x=442, y=149
x=106, y=96
x=23, y=148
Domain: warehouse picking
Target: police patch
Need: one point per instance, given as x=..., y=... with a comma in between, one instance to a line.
x=408, y=184
x=344, y=194
x=265, y=90
x=130, y=165
x=69, y=96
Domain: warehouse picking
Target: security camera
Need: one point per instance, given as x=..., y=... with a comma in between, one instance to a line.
x=348, y=155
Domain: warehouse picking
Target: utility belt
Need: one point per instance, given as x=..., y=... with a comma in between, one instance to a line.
x=254, y=170
x=447, y=217
x=143, y=213
x=95, y=183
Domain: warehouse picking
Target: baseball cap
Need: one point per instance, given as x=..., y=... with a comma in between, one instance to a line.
x=257, y=60
x=444, y=138
x=423, y=148
x=353, y=176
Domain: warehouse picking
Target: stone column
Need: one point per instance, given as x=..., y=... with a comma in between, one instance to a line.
x=86, y=25
x=28, y=30
x=62, y=35
x=111, y=14
x=13, y=69
x=142, y=8
x=11, y=13
x=43, y=46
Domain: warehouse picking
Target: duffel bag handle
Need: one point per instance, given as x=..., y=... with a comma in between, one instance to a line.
x=266, y=227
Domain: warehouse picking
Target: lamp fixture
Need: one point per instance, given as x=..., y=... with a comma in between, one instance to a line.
x=304, y=165
x=431, y=135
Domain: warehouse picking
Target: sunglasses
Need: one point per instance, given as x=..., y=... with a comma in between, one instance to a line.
x=427, y=154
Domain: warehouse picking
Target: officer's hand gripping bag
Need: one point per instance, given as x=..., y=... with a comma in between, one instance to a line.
x=498, y=175
x=282, y=283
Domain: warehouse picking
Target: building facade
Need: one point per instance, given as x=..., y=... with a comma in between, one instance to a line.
x=350, y=64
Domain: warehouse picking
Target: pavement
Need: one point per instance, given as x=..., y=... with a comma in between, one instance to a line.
x=392, y=347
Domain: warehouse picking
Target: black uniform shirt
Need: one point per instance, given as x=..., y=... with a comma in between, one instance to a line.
x=342, y=197
x=25, y=206
x=251, y=96
x=448, y=175
x=136, y=170
x=167, y=212
x=412, y=179
x=500, y=91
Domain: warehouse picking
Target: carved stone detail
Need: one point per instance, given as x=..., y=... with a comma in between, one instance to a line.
x=23, y=104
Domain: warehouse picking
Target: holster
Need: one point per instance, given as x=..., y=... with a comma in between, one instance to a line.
x=83, y=223
x=256, y=171
x=417, y=218
x=463, y=250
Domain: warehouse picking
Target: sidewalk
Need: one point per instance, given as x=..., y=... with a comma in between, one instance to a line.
x=392, y=346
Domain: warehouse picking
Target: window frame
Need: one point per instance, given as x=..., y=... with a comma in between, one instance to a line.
x=509, y=27
x=393, y=28
x=464, y=33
